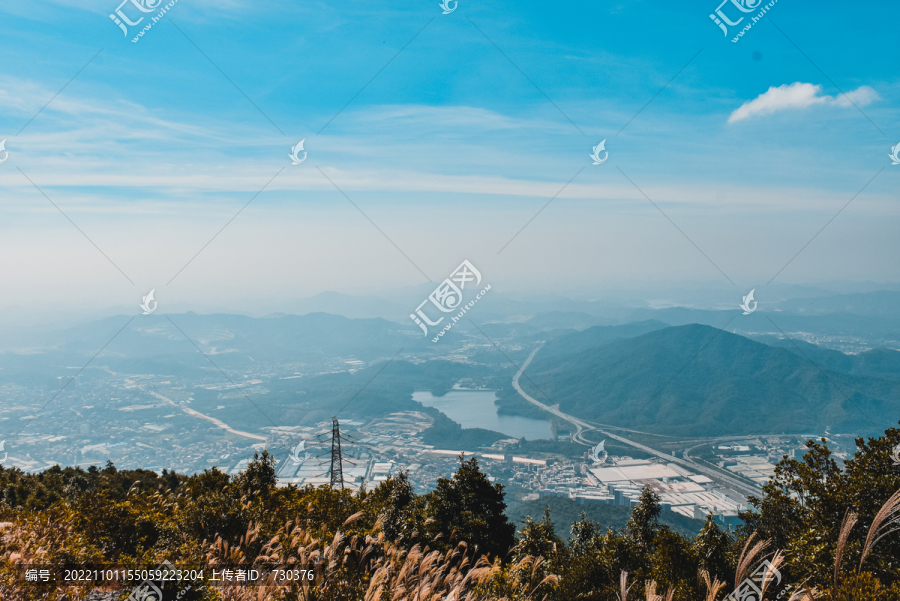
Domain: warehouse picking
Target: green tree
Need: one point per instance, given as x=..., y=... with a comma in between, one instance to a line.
x=259, y=477
x=323, y=509
x=210, y=512
x=538, y=539
x=644, y=522
x=588, y=568
x=804, y=504
x=713, y=548
x=402, y=512
x=674, y=564
x=584, y=539
x=468, y=508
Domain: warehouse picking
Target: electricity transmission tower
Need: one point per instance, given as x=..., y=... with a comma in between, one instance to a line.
x=337, y=472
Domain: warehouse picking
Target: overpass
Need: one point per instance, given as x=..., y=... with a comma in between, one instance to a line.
x=583, y=426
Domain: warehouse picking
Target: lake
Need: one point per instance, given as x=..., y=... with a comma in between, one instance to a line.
x=476, y=409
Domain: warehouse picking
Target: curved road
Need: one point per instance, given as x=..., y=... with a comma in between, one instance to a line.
x=219, y=423
x=582, y=426
x=732, y=482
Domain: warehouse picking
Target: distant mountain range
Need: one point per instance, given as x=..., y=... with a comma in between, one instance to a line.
x=870, y=315
x=879, y=330
x=165, y=345
x=285, y=337
x=881, y=303
x=870, y=318
x=696, y=380
x=667, y=370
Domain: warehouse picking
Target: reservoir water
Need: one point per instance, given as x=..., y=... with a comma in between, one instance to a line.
x=476, y=409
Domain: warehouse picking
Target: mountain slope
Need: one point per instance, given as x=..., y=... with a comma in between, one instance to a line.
x=878, y=362
x=697, y=380
x=598, y=336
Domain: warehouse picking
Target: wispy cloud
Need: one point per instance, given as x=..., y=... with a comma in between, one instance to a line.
x=799, y=95
x=107, y=150
x=861, y=96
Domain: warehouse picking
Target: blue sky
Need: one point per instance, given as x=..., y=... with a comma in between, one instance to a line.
x=450, y=149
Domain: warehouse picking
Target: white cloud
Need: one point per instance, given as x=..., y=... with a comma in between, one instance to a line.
x=861, y=96
x=799, y=96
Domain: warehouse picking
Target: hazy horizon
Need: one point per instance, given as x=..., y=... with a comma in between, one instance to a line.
x=697, y=295
x=730, y=162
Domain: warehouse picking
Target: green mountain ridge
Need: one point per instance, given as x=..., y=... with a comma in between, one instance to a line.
x=877, y=362
x=695, y=380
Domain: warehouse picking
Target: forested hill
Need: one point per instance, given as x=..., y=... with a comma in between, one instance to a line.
x=696, y=380
x=455, y=542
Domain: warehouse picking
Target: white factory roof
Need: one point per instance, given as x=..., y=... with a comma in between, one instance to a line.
x=685, y=510
x=516, y=459
x=659, y=487
x=697, y=498
x=629, y=462
x=644, y=471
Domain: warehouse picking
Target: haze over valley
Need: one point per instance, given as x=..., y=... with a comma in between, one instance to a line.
x=187, y=391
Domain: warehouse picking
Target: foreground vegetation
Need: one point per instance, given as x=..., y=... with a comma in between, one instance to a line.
x=827, y=530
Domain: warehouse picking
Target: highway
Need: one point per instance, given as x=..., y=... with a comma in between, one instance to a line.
x=218, y=423
x=732, y=482
x=582, y=427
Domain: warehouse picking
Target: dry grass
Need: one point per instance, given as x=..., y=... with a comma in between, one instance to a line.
x=805, y=594
x=40, y=540
x=886, y=521
x=846, y=526
x=349, y=568
x=771, y=569
x=713, y=586
x=650, y=592
x=623, y=586
x=748, y=557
